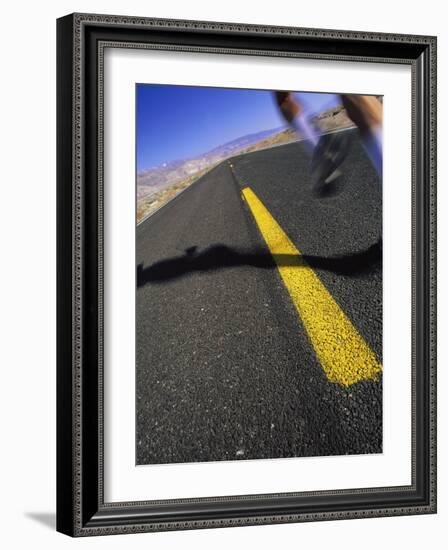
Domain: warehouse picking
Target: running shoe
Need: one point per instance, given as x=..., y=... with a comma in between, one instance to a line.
x=328, y=155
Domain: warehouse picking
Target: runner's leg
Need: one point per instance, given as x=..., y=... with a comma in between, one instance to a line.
x=328, y=151
x=367, y=113
x=293, y=113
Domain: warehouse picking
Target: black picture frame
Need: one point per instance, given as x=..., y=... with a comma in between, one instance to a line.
x=81, y=510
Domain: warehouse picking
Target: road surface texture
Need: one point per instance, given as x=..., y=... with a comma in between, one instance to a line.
x=235, y=337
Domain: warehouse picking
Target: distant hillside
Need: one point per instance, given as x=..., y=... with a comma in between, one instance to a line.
x=156, y=186
x=159, y=178
x=333, y=119
x=237, y=145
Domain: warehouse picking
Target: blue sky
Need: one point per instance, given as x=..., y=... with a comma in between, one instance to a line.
x=179, y=122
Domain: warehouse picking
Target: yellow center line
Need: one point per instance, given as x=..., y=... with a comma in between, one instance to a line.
x=345, y=356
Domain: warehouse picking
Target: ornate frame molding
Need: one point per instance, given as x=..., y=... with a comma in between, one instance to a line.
x=81, y=42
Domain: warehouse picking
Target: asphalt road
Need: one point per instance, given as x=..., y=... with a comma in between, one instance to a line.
x=225, y=368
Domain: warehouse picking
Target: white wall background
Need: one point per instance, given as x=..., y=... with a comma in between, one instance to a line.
x=27, y=277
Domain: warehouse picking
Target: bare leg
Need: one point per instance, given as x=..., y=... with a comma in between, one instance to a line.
x=293, y=114
x=327, y=151
x=288, y=106
x=367, y=113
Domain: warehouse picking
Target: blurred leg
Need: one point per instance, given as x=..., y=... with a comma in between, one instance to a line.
x=292, y=112
x=367, y=113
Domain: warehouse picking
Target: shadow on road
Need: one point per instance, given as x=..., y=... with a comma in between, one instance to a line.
x=221, y=257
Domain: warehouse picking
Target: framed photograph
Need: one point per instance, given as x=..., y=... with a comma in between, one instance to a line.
x=246, y=274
